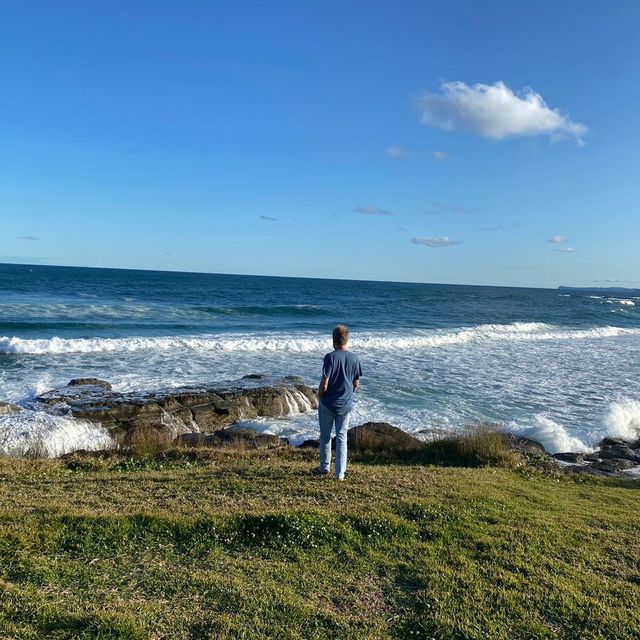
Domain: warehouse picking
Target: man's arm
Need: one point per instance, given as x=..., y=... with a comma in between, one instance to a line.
x=356, y=384
x=323, y=386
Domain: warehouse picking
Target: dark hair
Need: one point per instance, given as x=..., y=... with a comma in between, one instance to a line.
x=340, y=335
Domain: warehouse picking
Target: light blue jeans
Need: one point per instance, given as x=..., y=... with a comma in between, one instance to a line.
x=327, y=420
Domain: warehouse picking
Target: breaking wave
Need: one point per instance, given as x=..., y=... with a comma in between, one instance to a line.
x=518, y=332
x=621, y=420
x=49, y=435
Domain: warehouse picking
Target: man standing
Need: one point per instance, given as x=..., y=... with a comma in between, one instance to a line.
x=341, y=372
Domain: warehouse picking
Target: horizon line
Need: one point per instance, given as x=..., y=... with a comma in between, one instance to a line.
x=258, y=275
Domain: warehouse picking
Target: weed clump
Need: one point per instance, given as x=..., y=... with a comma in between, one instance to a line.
x=147, y=442
x=477, y=446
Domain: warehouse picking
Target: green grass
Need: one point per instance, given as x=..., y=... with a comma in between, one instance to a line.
x=217, y=544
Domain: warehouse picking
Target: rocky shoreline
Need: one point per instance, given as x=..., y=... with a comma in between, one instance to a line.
x=206, y=415
x=179, y=411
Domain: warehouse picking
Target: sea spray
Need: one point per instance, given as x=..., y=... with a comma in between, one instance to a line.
x=622, y=419
x=42, y=434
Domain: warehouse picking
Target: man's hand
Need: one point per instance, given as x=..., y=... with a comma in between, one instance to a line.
x=323, y=386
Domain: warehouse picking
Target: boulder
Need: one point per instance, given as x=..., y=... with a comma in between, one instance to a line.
x=79, y=382
x=380, y=437
x=612, y=465
x=568, y=456
x=7, y=408
x=310, y=444
x=522, y=445
x=619, y=451
x=232, y=437
x=609, y=442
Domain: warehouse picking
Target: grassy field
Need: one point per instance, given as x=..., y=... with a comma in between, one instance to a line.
x=249, y=545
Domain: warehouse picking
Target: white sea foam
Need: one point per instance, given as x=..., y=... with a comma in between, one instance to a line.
x=551, y=435
x=519, y=331
x=623, y=301
x=49, y=435
x=622, y=419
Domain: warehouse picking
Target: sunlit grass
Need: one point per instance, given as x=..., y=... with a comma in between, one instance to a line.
x=224, y=544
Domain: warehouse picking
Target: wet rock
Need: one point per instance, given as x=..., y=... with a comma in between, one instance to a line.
x=575, y=458
x=613, y=465
x=380, y=437
x=592, y=470
x=619, y=451
x=609, y=442
x=255, y=376
x=519, y=444
x=310, y=444
x=250, y=438
x=182, y=410
x=7, y=408
x=247, y=438
x=79, y=382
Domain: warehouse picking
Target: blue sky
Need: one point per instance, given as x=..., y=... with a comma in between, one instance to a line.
x=418, y=141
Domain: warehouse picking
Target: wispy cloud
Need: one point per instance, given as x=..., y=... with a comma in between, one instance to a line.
x=27, y=259
x=434, y=243
x=441, y=208
x=567, y=250
x=28, y=238
x=268, y=218
x=615, y=281
x=397, y=152
x=558, y=239
x=440, y=155
x=372, y=210
x=496, y=112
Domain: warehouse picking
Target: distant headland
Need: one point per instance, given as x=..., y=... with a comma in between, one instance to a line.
x=602, y=289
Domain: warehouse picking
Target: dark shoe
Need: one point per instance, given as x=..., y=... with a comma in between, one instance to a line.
x=318, y=472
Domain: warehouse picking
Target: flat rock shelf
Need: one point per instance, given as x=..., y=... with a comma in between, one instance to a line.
x=183, y=410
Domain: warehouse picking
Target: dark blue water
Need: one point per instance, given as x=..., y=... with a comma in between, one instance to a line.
x=559, y=364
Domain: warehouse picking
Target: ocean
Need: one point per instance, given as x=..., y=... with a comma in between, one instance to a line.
x=559, y=366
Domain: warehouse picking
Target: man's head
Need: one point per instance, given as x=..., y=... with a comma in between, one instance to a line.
x=340, y=337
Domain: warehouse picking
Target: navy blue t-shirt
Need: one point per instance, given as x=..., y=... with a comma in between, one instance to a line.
x=341, y=368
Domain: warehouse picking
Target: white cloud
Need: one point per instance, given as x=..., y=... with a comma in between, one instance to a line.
x=495, y=111
x=567, y=250
x=440, y=155
x=372, y=210
x=558, y=239
x=443, y=241
x=397, y=152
